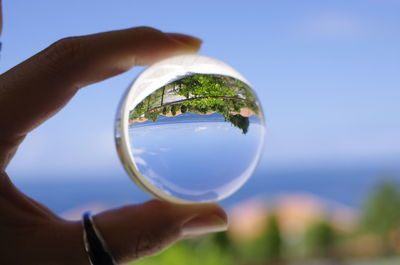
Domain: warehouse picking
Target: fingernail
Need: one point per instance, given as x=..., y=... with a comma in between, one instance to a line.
x=203, y=225
x=187, y=39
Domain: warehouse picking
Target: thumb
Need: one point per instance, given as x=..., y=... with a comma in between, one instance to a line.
x=137, y=231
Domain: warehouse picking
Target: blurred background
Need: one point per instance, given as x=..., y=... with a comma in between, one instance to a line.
x=327, y=74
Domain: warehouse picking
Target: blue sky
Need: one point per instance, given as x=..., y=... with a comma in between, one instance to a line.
x=327, y=74
x=196, y=160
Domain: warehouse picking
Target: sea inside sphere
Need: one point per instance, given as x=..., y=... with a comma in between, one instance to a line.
x=197, y=138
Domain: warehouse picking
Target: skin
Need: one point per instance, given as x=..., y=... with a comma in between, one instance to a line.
x=43, y=84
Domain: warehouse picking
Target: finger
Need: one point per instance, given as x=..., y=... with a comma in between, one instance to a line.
x=37, y=88
x=16, y=207
x=45, y=82
x=190, y=40
x=137, y=231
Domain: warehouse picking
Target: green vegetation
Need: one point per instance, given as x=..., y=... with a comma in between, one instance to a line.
x=203, y=251
x=273, y=241
x=384, y=201
x=381, y=216
x=320, y=239
x=265, y=249
x=201, y=94
x=320, y=242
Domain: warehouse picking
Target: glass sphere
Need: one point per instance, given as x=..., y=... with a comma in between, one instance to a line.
x=190, y=129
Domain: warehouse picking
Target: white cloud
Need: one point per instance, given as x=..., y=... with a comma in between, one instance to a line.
x=331, y=26
x=200, y=128
x=140, y=161
x=137, y=151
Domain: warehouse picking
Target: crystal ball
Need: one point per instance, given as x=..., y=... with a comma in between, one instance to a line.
x=190, y=129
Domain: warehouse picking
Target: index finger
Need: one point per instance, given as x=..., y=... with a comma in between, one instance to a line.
x=37, y=88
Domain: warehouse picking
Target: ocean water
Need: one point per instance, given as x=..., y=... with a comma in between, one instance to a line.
x=346, y=185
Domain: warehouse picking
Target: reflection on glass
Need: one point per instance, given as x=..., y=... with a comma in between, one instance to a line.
x=197, y=138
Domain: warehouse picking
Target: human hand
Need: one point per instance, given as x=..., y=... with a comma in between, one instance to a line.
x=32, y=92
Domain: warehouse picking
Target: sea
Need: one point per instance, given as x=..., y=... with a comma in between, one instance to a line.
x=349, y=185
